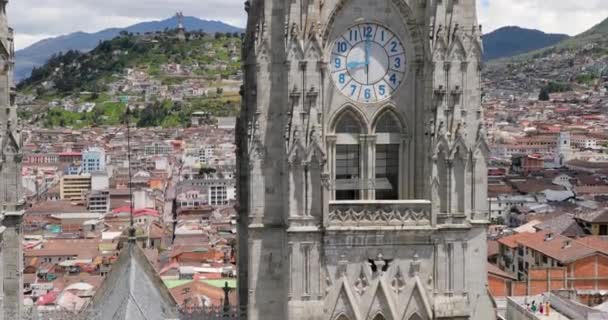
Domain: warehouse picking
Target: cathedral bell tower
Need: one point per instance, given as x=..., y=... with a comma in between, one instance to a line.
x=362, y=161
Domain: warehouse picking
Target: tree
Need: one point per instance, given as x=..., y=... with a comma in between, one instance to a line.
x=544, y=95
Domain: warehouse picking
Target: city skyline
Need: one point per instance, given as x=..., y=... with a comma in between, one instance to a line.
x=55, y=18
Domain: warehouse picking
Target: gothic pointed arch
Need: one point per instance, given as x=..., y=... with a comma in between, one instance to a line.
x=475, y=51
x=459, y=149
x=313, y=50
x=342, y=317
x=378, y=316
x=441, y=175
x=297, y=152
x=295, y=51
x=418, y=306
x=382, y=303
x=316, y=153
x=349, y=120
x=459, y=156
x=457, y=50
x=10, y=144
x=439, y=50
x=415, y=316
x=410, y=22
x=481, y=148
x=263, y=52
x=387, y=120
x=441, y=145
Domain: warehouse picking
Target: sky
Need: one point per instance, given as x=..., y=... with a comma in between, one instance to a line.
x=34, y=20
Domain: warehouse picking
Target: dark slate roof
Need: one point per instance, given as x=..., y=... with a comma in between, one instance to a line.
x=599, y=216
x=564, y=225
x=133, y=290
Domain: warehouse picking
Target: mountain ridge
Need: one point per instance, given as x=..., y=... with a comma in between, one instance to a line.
x=38, y=53
x=510, y=41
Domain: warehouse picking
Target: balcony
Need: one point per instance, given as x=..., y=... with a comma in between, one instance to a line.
x=373, y=214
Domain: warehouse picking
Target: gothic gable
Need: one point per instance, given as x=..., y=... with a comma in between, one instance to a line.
x=344, y=303
x=418, y=305
x=313, y=51
x=457, y=51
x=382, y=303
x=295, y=51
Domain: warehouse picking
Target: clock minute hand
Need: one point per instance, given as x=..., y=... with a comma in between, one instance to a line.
x=367, y=49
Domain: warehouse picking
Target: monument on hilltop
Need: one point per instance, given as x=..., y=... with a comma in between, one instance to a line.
x=181, y=30
x=362, y=162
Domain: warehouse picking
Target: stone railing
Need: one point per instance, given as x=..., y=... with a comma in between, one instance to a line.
x=375, y=213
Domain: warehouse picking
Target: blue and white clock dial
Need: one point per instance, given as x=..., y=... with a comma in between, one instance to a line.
x=368, y=63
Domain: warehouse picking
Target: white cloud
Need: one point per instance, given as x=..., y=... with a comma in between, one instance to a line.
x=554, y=16
x=37, y=19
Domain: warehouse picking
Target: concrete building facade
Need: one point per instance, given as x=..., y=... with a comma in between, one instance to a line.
x=74, y=187
x=93, y=160
x=362, y=162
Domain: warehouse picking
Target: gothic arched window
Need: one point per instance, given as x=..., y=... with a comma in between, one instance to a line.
x=347, y=162
x=348, y=123
x=388, y=150
x=415, y=316
x=342, y=317
x=378, y=317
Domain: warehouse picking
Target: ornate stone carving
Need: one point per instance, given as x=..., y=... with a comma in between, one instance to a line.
x=372, y=213
x=361, y=284
x=415, y=265
x=398, y=282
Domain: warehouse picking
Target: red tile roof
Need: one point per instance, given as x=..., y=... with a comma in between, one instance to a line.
x=558, y=247
x=494, y=270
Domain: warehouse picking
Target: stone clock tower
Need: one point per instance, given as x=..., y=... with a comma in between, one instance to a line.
x=362, y=161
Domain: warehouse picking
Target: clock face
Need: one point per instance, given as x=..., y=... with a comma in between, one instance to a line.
x=368, y=63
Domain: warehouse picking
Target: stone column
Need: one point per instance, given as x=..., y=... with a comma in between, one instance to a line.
x=12, y=265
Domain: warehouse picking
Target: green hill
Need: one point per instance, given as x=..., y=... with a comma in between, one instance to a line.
x=579, y=63
x=158, y=72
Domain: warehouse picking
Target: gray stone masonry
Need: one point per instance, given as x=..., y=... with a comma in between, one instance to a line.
x=320, y=238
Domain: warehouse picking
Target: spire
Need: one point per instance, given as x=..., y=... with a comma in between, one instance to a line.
x=132, y=238
x=132, y=290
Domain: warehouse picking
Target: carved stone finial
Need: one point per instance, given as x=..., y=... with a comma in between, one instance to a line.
x=415, y=265
x=342, y=267
x=361, y=284
x=398, y=282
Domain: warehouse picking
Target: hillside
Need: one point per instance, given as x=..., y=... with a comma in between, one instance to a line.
x=165, y=79
x=511, y=41
x=38, y=53
x=580, y=61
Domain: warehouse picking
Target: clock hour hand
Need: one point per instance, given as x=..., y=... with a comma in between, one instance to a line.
x=355, y=64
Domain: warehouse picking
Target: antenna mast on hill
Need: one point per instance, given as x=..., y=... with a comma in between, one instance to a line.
x=125, y=100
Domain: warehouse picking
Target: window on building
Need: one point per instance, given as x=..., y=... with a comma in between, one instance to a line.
x=347, y=172
x=387, y=172
x=603, y=230
x=388, y=146
x=348, y=157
